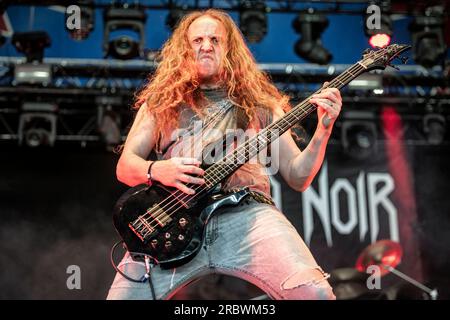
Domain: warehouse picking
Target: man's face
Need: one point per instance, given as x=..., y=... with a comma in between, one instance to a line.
x=207, y=37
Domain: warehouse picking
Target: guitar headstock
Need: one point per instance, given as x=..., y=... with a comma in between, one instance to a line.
x=381, y=58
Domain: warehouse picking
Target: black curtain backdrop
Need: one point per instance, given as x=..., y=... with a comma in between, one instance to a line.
x=55, y=208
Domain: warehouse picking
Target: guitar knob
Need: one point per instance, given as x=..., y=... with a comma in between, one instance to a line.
x=154, y=243
x=181, y=237
x=182, y=222
x=167, y=235
x=168, y=245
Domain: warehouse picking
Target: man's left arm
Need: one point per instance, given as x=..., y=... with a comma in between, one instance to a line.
x=298, y=167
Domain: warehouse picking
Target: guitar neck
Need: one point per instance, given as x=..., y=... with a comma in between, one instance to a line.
x=243, y=153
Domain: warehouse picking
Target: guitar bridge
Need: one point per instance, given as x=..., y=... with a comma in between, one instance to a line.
x=142, y=232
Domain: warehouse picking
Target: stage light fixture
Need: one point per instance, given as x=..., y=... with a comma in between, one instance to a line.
x=87, y=21
x=434, y=126
x=311, y=25
x=110, y=129
x=109, y=120
x=253, y=20
x=37, y=124
x=31, y=44
x=368, y=82
x=428, y=37
x=124, y=46
x=359, y=135
x=32, y=73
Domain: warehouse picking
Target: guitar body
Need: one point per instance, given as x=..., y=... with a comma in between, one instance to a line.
x=177, y=238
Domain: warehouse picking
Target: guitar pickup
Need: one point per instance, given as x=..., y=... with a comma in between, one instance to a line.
x=145, y=225
x=159, y=215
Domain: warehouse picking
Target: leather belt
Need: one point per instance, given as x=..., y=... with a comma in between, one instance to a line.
x=260, y=197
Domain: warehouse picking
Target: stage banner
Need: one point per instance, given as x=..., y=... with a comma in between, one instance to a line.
x=353, y=203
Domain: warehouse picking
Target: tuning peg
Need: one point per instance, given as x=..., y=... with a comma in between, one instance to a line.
x=365, y=53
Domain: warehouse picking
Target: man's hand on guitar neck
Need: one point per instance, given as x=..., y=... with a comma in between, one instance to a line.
x=329, y=104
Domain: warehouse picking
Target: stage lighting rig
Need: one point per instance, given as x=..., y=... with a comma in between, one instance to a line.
x=428, y=37
x=311, y=25
x=359, y=134
x=434, y=126
x=32, y=45
x=109, y=120
x=367, y=82
x=124, y=19
x=253, y=20
x=37, y=124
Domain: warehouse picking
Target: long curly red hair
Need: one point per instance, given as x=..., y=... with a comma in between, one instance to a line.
x=175, y=81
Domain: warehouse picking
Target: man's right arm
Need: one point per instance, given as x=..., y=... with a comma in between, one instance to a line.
x=132, y=166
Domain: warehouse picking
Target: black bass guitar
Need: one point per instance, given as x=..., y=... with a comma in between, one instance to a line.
x=167, y=224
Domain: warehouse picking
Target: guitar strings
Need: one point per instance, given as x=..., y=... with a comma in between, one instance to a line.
x=224, y=106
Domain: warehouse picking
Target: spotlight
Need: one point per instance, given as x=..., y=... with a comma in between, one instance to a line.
x=378, y=26
x=253, y=20
x=174, y=17
x=124, y=47
x=31, y=44
x=368, y=82
x=434, y=128
x=359, y=136
x=428, y=37
x=109, y=120
x=32, y=73
x=87, y=21
x=37, y=124
x=110, y=130
x=311, y=25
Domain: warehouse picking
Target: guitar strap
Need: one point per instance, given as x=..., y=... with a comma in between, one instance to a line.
x=241, y=118
x=212, y=120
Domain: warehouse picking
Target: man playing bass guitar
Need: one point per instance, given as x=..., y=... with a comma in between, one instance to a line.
x=204, y=65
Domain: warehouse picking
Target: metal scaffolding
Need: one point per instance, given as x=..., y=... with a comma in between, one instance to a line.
x=85, y=90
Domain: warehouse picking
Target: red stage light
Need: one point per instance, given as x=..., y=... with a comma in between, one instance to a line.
x=380, y=40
